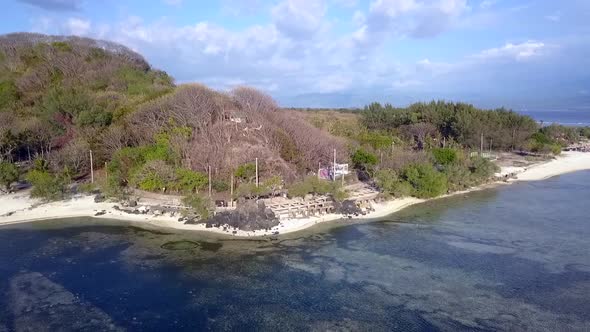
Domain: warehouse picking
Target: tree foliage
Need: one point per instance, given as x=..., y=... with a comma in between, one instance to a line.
x=199, y=204
x=391, y=183
x=46, y=185
x=313, y=185
x=363, y=160
x=426, y=181
x=9, y=173
x=460, y=122
x=246, y=172
x=445, y=156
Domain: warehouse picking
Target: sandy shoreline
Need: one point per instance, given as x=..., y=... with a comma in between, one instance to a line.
x=23, y=209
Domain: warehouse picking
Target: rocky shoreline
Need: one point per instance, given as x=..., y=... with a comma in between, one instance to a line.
x=253, y=220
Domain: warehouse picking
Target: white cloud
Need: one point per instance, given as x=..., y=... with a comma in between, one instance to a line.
x=521, y=52
x=299, y=19
x=414, y=18
x=299, y=50
x=77, y=26
x=333, y=83
x=392, y=8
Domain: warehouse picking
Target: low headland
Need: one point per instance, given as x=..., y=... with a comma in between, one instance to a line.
x=79, y=115
x=21, y=208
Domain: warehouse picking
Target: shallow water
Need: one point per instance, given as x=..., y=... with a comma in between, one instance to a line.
x=512, y=258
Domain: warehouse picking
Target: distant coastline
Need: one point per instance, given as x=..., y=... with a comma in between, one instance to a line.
x=578, y=118
x=23, y=209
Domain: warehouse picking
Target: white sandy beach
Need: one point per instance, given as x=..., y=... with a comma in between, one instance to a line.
x=19, y=207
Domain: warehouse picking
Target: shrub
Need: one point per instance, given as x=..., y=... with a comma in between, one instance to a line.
x=313, y=185
x=482, y=168
x=545, y=148
x=300, y=189
x=246, y=172
x=199, y=204
x=153, y=176
x=62, y=46
x=46, y=185
x=189, y=181
x=8, y=93
x=220, y=186
x=73, y=156
x=541, y=138
x=8, y=174
x=288, y=149
x=445, y=156
x=426, y=181
x=376, y=140
x=87, y=188
x=391, y=184
x=459, y=176
x=249, y=190
x=363, y=160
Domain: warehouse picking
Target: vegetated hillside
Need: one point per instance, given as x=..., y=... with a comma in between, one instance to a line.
x=62, y=96
x=56, y=91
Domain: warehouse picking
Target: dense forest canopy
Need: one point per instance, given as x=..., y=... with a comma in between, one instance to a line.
x=460, y=122
x=61, y=97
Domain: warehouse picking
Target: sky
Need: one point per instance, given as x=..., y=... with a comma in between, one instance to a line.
x=521, y=54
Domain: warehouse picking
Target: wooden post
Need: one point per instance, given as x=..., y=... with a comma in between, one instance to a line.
x=256, y=172
x=231, y=186
x=209, y=181
x=481, y=147
x=91, y=169
x=334, y=167
x=319, y=169
x=106, y=172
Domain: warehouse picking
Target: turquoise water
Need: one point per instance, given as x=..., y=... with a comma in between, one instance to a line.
x=513, y=258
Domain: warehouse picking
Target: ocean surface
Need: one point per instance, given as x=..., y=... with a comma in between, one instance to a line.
x=513, y=258
x=565, y=117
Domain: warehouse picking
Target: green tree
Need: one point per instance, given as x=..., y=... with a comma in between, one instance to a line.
x=220, y=186
x=8, y=93
x=426, y=181
x=155, y=175
x=376, y=140
x=445, y=156
x=46, y=185
x=363, y=160
x=8, y=174
x=391, y=184
x=246, y=172
x=482, y=168
x=313, y=185
x=189, y=181
x=199, y=204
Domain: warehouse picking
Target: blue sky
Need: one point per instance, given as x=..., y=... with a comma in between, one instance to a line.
x=340, y=53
